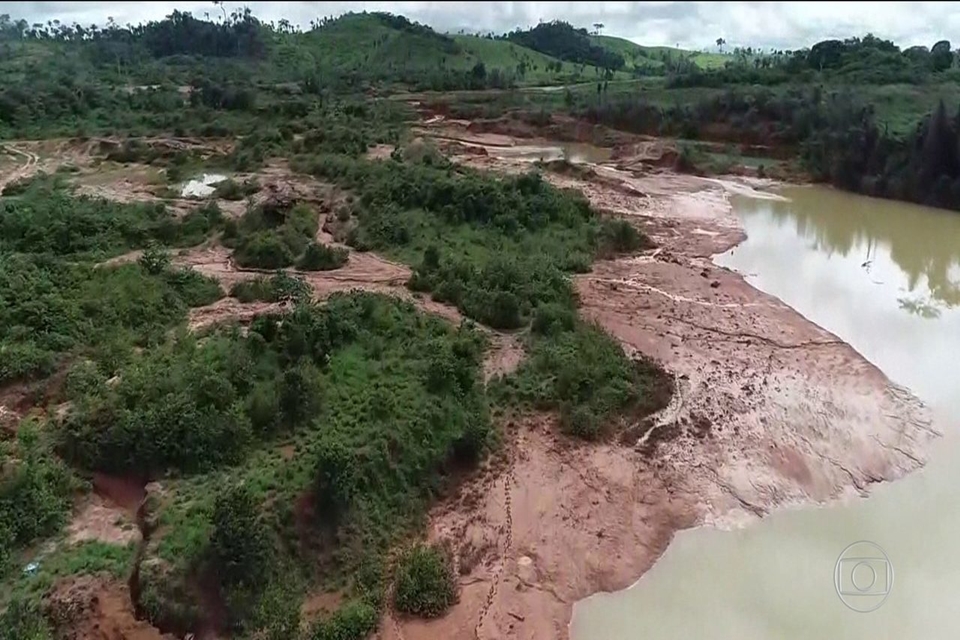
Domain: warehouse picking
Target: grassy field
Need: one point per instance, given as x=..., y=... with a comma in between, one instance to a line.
x=653, y=57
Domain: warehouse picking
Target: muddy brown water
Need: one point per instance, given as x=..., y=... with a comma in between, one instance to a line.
x=884, y=277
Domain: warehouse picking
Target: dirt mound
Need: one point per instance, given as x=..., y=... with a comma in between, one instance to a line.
x=96, y=608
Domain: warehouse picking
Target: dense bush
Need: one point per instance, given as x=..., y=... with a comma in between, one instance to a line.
x=424, y=584
x=55, y=307
x=46, y=218
x=320, y=257
x=35, y=492
x=278, y=287
x=585, y=375
x=270, y=237
x=354, y=620
x=181, y=406
x=495, y=247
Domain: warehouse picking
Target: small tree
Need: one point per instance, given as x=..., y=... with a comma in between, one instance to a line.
x=424, y=585
x=154, y=260
x=720, y=43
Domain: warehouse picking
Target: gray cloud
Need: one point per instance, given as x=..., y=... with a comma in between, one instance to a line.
x=689, y=24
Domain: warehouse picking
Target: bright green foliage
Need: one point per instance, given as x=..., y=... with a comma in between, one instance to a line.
x=55, y=303
x=381, y=401
x=23, y=620
x=272, y=236
x=583, y=373
x=354, y=620
x=35, y=491
x=278, y=287
x=495, y=248
x=320, y=257
x=53, y=307
x=181, y=405
x=46, y=218
x=424, y=584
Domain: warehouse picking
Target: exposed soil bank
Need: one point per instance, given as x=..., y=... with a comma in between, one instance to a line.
x=770, y=411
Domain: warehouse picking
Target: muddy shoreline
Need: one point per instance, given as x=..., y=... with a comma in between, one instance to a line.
x=770, y=411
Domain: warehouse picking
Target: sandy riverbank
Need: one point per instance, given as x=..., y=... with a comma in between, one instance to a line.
x=770, y=411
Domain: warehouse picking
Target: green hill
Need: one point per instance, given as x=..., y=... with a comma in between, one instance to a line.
x=389, y=48
x=655, y=57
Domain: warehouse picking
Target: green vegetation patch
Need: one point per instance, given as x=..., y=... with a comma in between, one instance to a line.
x=272, y=236
x=495, y=247
x=424, y=584
x=340, y=422
x=320, y=257
x=36, y=491
x=580, y=371
x=44, y=217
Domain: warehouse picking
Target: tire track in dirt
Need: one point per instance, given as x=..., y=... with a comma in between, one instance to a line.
x=509, y=480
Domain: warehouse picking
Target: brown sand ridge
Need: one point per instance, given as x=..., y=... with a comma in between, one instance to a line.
x=769, y=410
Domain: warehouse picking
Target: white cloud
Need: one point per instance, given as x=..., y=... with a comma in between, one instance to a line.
x=690, y=24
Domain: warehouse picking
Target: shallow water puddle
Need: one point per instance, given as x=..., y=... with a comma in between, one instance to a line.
x=203, y=186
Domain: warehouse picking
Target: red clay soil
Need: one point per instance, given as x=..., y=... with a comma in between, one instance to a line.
x=96, y=608
x=124, y=492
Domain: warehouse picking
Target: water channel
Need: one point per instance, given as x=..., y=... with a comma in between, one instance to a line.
x=885, y=277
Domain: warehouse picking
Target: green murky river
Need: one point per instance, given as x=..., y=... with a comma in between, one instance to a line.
x=885, y=277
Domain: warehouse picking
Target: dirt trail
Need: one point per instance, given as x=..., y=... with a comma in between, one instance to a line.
x=770, y=410
x=26, y=169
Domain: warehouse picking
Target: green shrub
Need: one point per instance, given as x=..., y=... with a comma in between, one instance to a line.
x=229, y=189
x=619, y=236
x=255, y=289
x=35, y=489
x=424, y=584
x=154, y=260
x=580, y=421
x=195, y=289
x=585, y=375
x=553, y=319
x=278, y=287
x=320, y=257
x=263, y=250
x=354, y=620
x=24, y=620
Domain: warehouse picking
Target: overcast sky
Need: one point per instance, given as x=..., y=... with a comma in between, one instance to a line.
x=690, y=24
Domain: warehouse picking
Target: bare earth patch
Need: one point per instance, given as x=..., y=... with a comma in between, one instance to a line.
x=96, y=608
